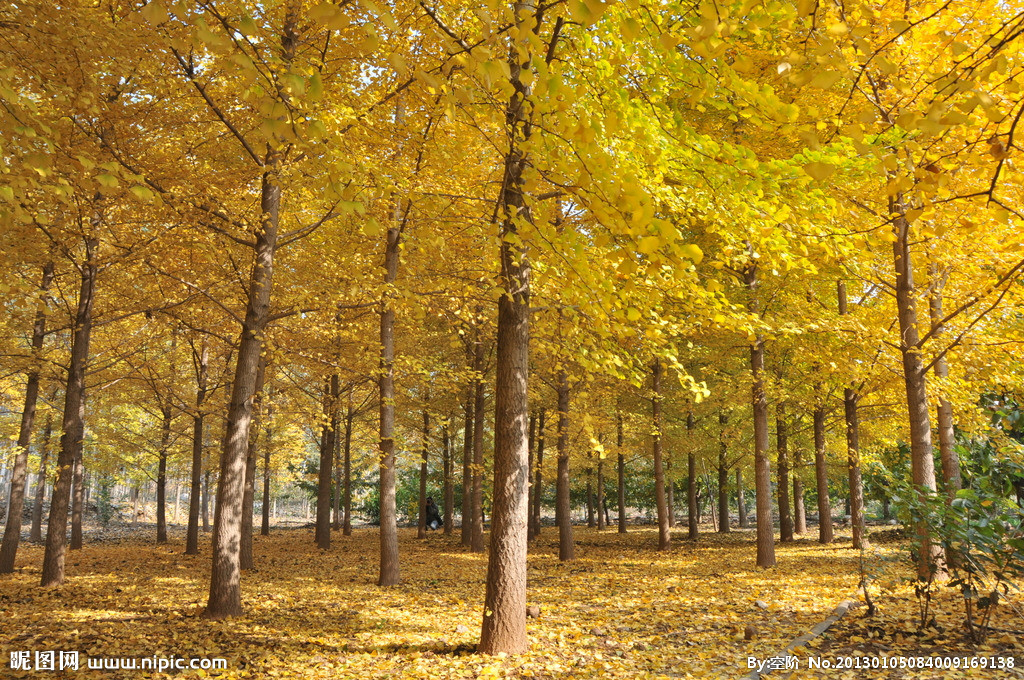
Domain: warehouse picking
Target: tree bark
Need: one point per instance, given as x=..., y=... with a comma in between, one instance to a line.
x=421, y=528
x=449, y=482
x=825, y=534
x=16, y=498
x=621, y=473
x=480, y=414
x=325, y=476
x=563, y=508
x=723, y=477
x=36, y=533
x=161, y=475
x=692, y=511
x=73, y=424
x=664, y=537
x=201, y=362
x=346, y=527
x=782, y=489
x=265, y=523
x=245, y=558
x=531, y=440
x=78, y=487
x=799, y=512
x=759, y=402
x=741, y=501
x=951, y=479
x=538, y=488
x=856, y=485
x=670, y=488
x=466, y=512
x=591, y=519
x=600, y=494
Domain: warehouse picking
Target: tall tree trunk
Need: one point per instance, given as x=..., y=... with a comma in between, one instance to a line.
x=504, y=623
x=225, y=582
x=421, y=528
x=759, y=402
x=621, y=474
x=389, y=572
x=670, y=488
x=78, y=488
x=692, y=511
x=200, y=361
x=449, y=482
x=336, y=465
x=563, y=508
x=245, y=558
x=538, y=485
x=723, y=477
x=799, y=512
x=16, y=499
x=664, y=537
x=601, y=510
x=161, y=475
x=206, y=501
x=73, y=424
x=825, y=534
x=530, y=446
x=850, y=400
x=466, y=511
x=480, y=414
x=265, y=518
x=915, y=380
x=944, y=414
x=325, y=476
x=591, y=519
x=782, y=489
x=36, y=533
x=346, y=528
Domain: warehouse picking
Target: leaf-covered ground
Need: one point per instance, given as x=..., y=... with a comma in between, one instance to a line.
x=621, y=610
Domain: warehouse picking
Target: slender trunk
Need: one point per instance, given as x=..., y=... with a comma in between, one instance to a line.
x=78, y=489
x=225, y=582
x=449, y=482
x=200, y=361
x=601, y=510
x=563, y=508
x=825, y=534
x=723, y=478
x=530, y=446
x=245, y=558
x=206, y=501
x=621, y=470
x=782, y=489
x=389, y=572
x=421, y=528
x=591, y=519
x=741, y=501
x=177, y=501
x=346, y=528
x=16, y=498
x=466, y=511
x=538, y=489
x=336, y=466
x=161, y=475
x=325, y=476
x=664, y=537
x=73, y=424
x=36, y=533
x=265, y=519
x=759, y=402
x=477, y=532
x=799, y=512
x=952, y=481
x=856, y=485
x=670, y=488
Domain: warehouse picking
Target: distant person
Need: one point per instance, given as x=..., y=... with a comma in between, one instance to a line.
x=433, y=515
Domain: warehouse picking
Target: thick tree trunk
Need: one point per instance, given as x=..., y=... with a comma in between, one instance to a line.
x=782, y=489
x=480, y=414
x=759, y=402
x=346, y=527
x=421, y=528
x=825, y=534
x=16, y=499
x=621, y=474
x=799, y=511
x=225, y=583
x=741, y=501
x=389, y=573
x=538, y=484
x=73, y=424
x=664, y=536
x=723, y=477
x=563, y=508
x=951, y=479
x=504, y=624
x=36, y=532
x=466, y=511
x=161, y=475
x=856, y=485
x=449, y=481
x=915, y=380
x=325, y=477
x=201, y=363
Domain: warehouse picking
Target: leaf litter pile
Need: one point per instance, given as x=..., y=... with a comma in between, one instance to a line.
x=620, y=610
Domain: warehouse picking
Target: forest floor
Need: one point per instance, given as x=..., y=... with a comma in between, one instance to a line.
x=620, y=610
